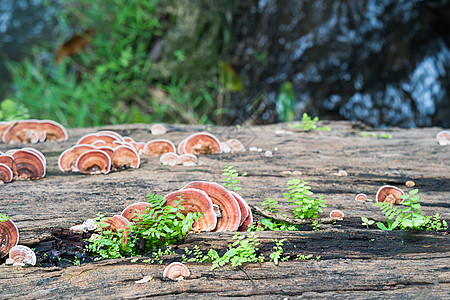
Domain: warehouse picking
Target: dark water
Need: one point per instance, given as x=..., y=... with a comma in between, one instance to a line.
x=385, y=63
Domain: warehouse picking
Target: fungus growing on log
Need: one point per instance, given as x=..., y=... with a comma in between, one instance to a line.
x=29, y=164
x=229, y=207
x=337, y=214
x=119, y=224
x=9, y=236
x=202, y=143
x=109, y=150
x=158, y=129
x=235, y=145
x=195, y=201
x=108, y=137
x=125, y=157
x=443, y=138
x=361, y=197
x=94, y=162
x=33, y=131
x=6, y=174
x=8, y=160
x=248, y=221
x=188, y=159
x=22, y=255
x=158, y=147
x=176, y=271
x=390, y=194
x=130, y=211
x=54, y=131
x=180, y=148
x=242, y=207
x=170, y=158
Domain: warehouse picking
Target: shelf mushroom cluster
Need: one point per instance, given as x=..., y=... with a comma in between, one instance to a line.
x=9, y=239
x=32, y=131
x=223, y=210
x=24, y=163
x=101, y=152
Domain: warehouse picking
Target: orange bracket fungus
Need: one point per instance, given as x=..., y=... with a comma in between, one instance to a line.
x=158, y=129
x=130, y=211
x=361, y=197
x=21, y=255
x=94, y=162
x=107, y=136
x=242, y=207
x=235, y=145
x=202, y=143
x=158, y=147
x=54, y=131
x=9, y=236
x=248, y=220
x=180, y=148
x=188, y=160
x=6, y=174
x=337, y=214
x=125, y=157
x=118, y=224
x=443, y=138
x=176, y=271
x=195, y=201
x=170, y=158
x=29, y=163
x=229, y=208
x=9, y=161
x=390, y=194
x=34, y=131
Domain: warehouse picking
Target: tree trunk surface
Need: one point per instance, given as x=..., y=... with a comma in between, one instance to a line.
x=355, y=262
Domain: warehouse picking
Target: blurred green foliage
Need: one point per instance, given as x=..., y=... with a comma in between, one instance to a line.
x=11, y=110
x=148, y=61
x=286, y=102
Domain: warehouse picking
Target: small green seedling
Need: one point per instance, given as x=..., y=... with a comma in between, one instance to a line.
x=3, y=217
x=300, y=196
x=276, y=255
x=309, y=124
x=366, y=222
x=231, y=178
x=271, y=205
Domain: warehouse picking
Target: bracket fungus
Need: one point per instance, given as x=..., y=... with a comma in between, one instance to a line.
x=180, y=148
x=176, y=271
x=390, y=194
x=242, y=207
x=195, y=201
x=158, y=129
x=158, y=147
x=94, y=162
x=107, y=136
x=235, y=145
x=337, y=214
x=202, y=143
x=6, y=174
x=169, y=158
x=118, y=223
x=34, y=131
x=29, y=163
x=125, y=157
x=361, y=197
x=443, y=138
x=229, y=207
x=8, y=160
x=130, y=211
x=22, y=255
x=9, y=236
x=188, y=160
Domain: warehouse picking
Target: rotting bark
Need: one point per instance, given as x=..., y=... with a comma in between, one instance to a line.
x=355, y=262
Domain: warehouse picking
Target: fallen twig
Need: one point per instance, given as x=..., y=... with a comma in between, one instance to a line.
x=279, y=217
x=247, y=276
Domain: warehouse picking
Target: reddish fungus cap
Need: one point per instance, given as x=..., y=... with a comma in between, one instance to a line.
x=176, y=271
x=66, y=160
x=29, y=164
x=202, y=143
x=195, y=201
x=337, y=214
x=54, y=131
x=125, y=157
x=24, y=131
x=8, y=160
x=94, y=162
x=158, y=147
x=361, y=197
x=235, y=145
x=229, y=207
x=158, y=129
x=21, y=255
x=119, y=224
x=130, y=211
x=6, y=174
x=180, y=148
x=188, y=159
x=170, y=158
x=443, y=137
x=242, y=207
x=390, y=194
x=91, y=138
x=9, y=236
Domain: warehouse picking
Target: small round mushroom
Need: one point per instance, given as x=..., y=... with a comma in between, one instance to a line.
x=22, y=255
x=337, y=214
x=158, y=147
x=6, y=174
x=158, y=129
x=118, y=223
x=130, y=211
x=125, y=157
x=390, y=194
x=230, y=212
x=195, y=201
x=29, y=164
x=342, y=173
x=202, y=143
x=176, y=271
x=9, y=236
x=170, y=158
x=361, y=197
x=443, y=138
x=410, y=183
x=235, y=145
x=94, y=162
x=188, y=160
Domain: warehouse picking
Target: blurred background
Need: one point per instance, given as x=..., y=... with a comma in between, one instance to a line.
x=89, y=63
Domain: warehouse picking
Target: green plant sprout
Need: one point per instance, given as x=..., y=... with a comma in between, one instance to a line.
x=315, y=226
x=409, y=215
x=366, y=222
x=306, y=257
x=271, y=205
x=267, y=224
x=198, y=255
x=276, y=255
x=300, y=196
x=243, y=250
x=231, y=178
x=374, y=135
x=3, y=217
x=161, y=226
x=309, y=124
